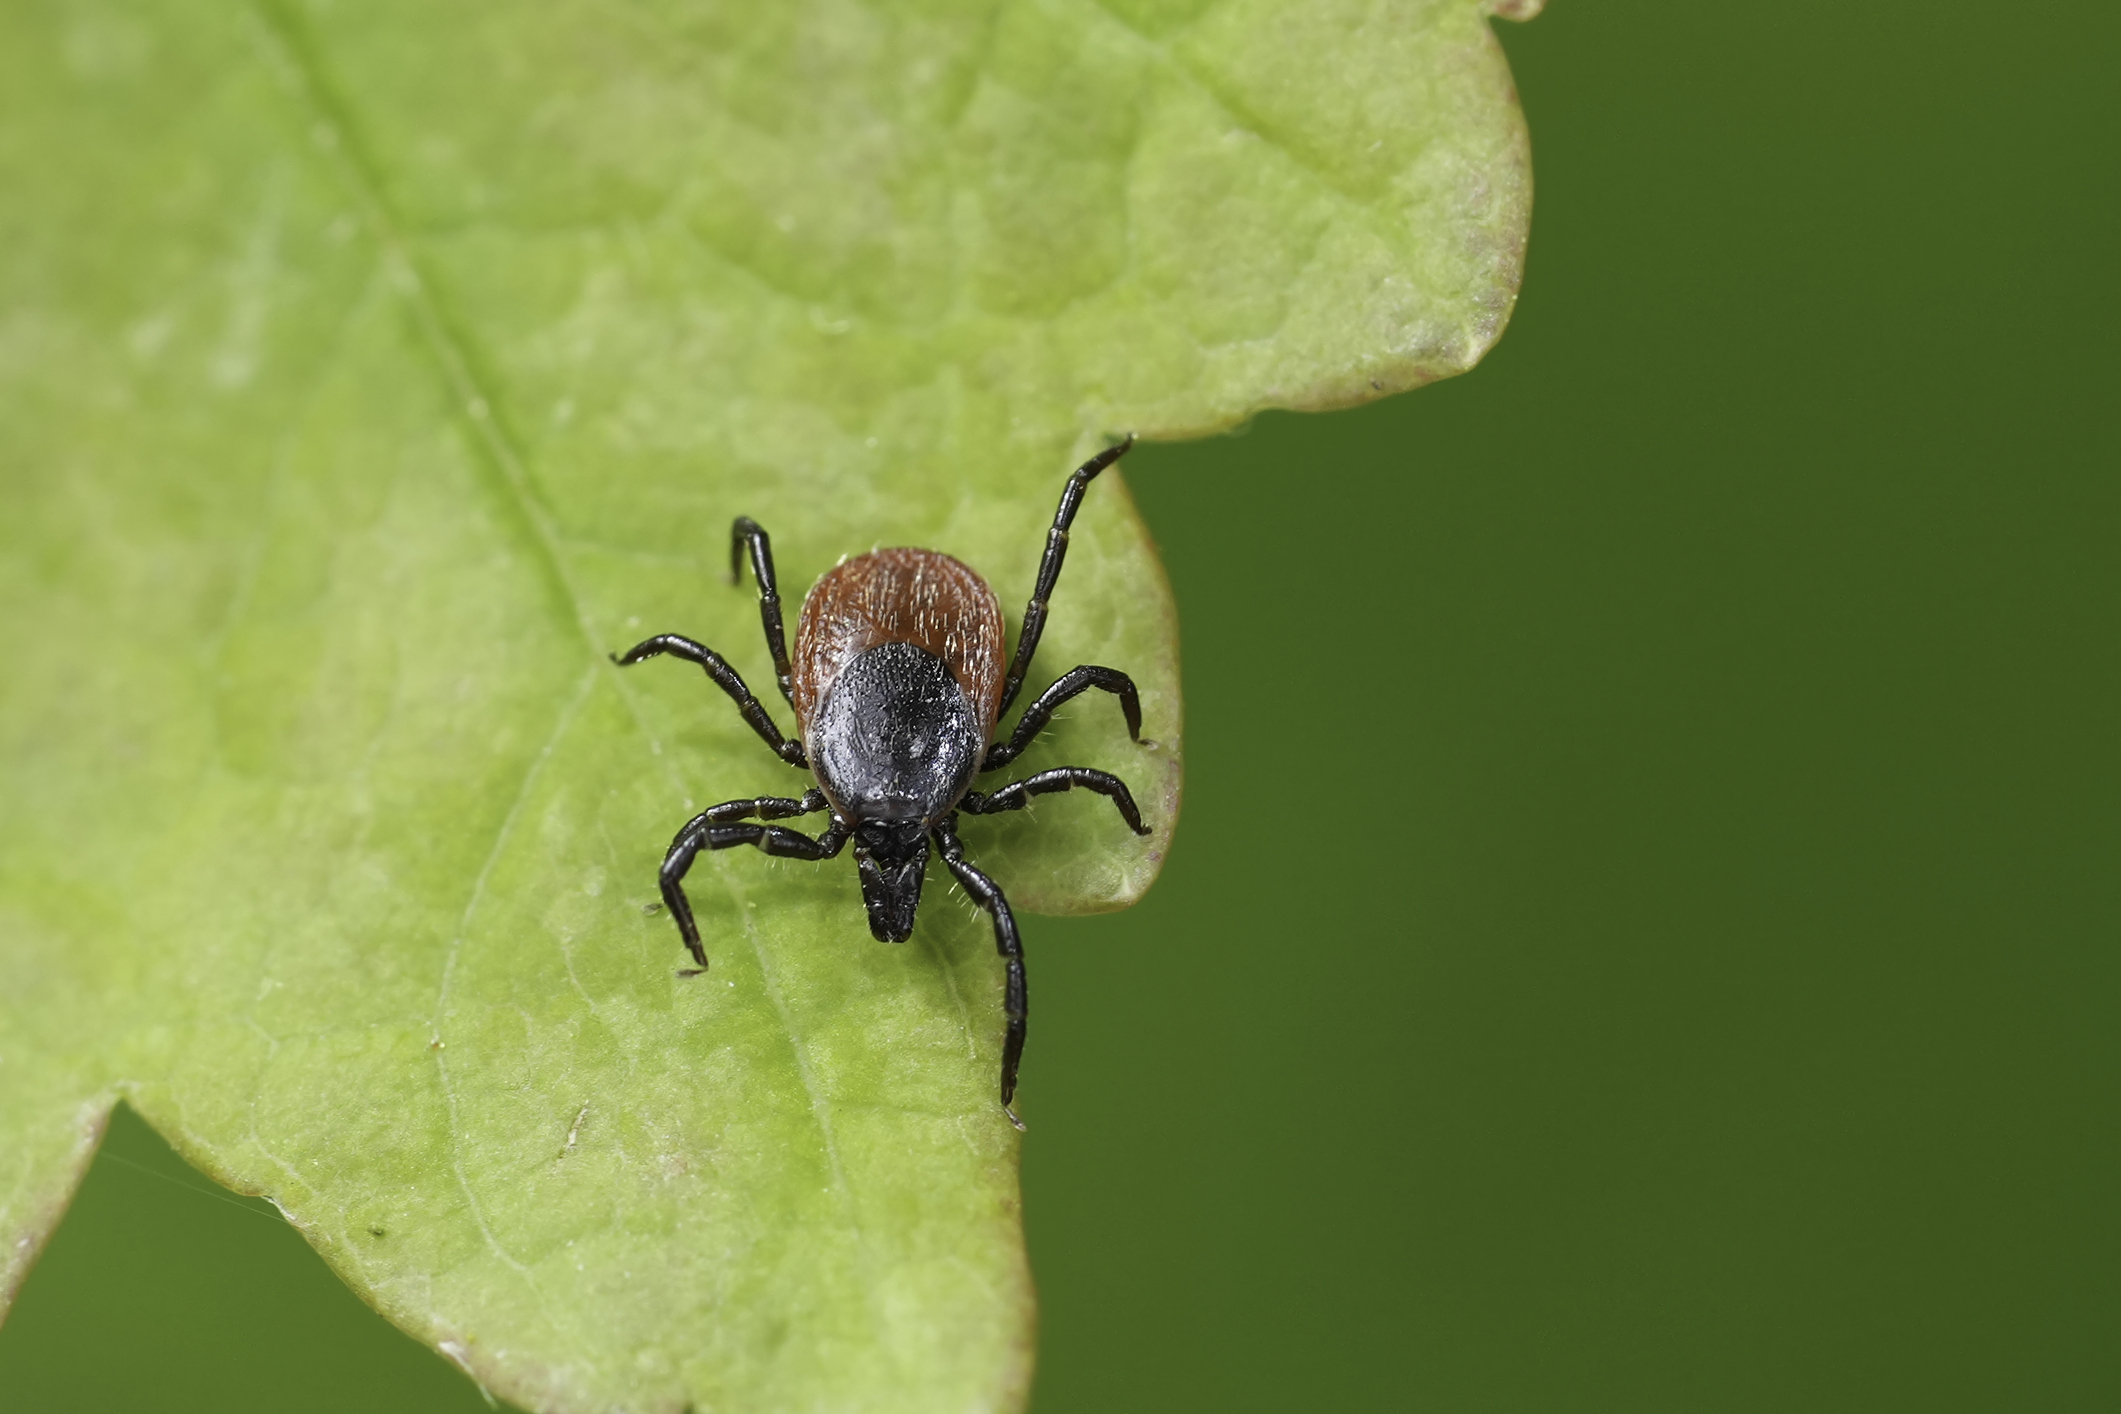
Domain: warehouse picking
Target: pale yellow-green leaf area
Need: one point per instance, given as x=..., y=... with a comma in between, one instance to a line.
x=369, y=372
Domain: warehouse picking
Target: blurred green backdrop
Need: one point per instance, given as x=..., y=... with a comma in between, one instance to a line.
x=1644, y=930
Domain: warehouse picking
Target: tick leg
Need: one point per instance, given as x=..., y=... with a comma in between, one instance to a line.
x=1049, y=568
x=708, y=830
x=1016, y=999
x=747, y=531
x=1073, y=684
x=1017, y=794
x=727, y=679
x=765, y=807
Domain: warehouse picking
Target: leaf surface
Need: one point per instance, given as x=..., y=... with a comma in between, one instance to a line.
x=368, y=373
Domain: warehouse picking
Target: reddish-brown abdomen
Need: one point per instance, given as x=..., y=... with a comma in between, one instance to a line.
x=901, y=596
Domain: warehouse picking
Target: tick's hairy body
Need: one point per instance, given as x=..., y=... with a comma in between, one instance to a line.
x=897, y=682
x=898, y=678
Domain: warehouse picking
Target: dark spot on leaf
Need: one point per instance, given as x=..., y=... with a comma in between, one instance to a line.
x=375, y=1232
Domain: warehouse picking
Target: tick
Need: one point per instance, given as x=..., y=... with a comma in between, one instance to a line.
x=897, y=684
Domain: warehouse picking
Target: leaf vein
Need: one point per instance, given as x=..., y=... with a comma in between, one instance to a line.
x=456, y=948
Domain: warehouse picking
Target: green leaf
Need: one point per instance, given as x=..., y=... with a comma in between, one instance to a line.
x=368, y=372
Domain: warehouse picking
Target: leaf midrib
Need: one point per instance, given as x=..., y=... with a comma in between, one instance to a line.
x=503, y=463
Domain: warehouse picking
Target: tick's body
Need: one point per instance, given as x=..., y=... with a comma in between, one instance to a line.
x=898, y=679
x=897, y=683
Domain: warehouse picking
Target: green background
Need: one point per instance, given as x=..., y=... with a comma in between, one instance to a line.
x=1643, y=931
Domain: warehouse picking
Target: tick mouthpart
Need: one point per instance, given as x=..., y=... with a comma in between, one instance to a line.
x=892, y=858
